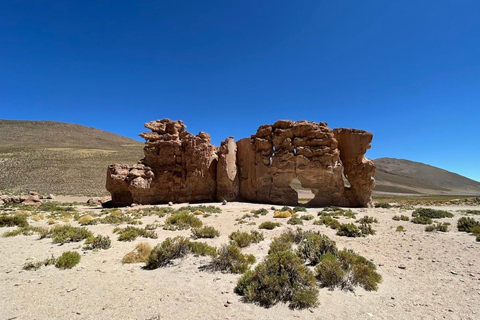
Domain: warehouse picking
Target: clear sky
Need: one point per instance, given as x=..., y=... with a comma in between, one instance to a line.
x=409, y=71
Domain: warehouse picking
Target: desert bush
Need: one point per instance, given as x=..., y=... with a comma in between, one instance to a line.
x=349, y=230
x=400, y=229
x=261, y=211
x=202, y=249
x=346, y=271
x=328, y=221
x=12, y=221
x=37, y=265
x=182, y=221
x=366, y=229
x=130, y=233
x=307, y=217
x=68, y=260
x=139, y=254
x=150, y=211
x=27, y=231
x=402, y=218
x=421, y=220
x=337, y=212
x=57, y=208
x=68, y=233
x=367, y=220
x=229, y=258
x=244, y=239
x=476, y=232
x=205, y=232
x=384, y=205
x=282, y=243
x=281, y=277
x=295, y=221
x=116, y=217
x=282, y=214
x=329, y=271
x=431, y=213
x=207, y=209
x=466, y=224
x=98, y=242
x=437, y=227
x=470, y=211
x=299, y=209
x=269, y=225
x=86, y=220
x=314, y=246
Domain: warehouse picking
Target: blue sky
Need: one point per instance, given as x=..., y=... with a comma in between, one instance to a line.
x=409, y=71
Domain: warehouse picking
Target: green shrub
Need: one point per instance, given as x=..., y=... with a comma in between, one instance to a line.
x=466, y=224
x=67, y=233
x=315, y=246
x=367, y=220
x=366, y=229
x=307, y=217
x=269, y=225
x=68, y=260
x=421, y=220
x=349, y=230
x=182, y=221
x=286, y=208
x=442, y=227
x=384, y=205
x=131, y=233
x=281, y=277
x=328, y=221
x=329, y=271
x=261, y=211
x=244, y=239
x=202, y=249
x=12, y=221
x=295, y=221
x=98, y=242
x=337, y=212
x=205, y=232
x=400, y=229
x=206, y=209
x=282, y=243
x=299, y=209
x=431, y=213
x=37, y=265
x=402, y=217
x=27, y=231
x=229, y=258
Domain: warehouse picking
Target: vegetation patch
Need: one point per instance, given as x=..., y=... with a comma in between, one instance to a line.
x=182, y=220
x=261, y=211
x=295, y=221
x=422, y=220
x=12, y=221
x=367, y=220
x=205, y=232
x=139, y=254
x=337, y=212
x=282, y=214
x=207, y=209
x=38, y=264
x=400, y=229
x=68, y=260
x=402, y=218
x=349, y=230
x=281, y=277
x=384, y=205
x=229, y=258
x=307, y=217
x=269, y=225
x=431, y=213
x=98, y=242
x=466, y=224
x=328, y=221
x=442, y=227
x=67, y=233
x=244, y=239
x=131, y=233
x=315, y=246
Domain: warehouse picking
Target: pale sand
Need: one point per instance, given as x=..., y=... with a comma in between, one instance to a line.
x=101, y=287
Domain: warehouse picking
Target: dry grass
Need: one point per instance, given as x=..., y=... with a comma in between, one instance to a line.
x=139, y=254
x=282, y=214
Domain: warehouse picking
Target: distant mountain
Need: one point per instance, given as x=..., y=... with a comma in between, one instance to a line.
x=405, y=176
x=60, y=158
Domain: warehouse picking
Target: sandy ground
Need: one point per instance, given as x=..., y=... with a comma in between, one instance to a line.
x=441, y=278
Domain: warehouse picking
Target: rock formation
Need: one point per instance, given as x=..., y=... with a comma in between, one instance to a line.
x=181, y=167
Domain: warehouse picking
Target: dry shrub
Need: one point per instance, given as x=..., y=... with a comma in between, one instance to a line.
x=229, y=258
x=86, y=220
x=139, y=254
x=198, y=212
x=282, y=214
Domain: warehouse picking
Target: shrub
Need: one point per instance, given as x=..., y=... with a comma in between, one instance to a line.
x=466, y=224
x=337, y=212
x=421, y=220
x=139, y=254
x=281, y=243
x=402, y=217
x=299, y=209
x=329, y=271
x=37, y=265
x=281, y=277
x=131, y=233
x=202, y=249
x=198, y=212
x=261, y=211
x=367, y=220
x=282, y=214
x=400, y=229
x=27, y=231
x=67, y=233
x=307, y=217
x=314, y=246
x=358, y=271
x=229, y=258
x=366, y=229
x=442, y=227
x=68, y=260
x=182, y=221
x=295, y=221
x=11, y=221
x=244, y=239
x=431, y=213
x=328, y=221
x=269, y=225
x=349, y=230
x=207, y=209
x=86, y=220
x=205, y=232
x=98, y=242
x=384, y=205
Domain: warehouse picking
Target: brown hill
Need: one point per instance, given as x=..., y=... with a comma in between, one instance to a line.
x=404, y=176
x=60, y=158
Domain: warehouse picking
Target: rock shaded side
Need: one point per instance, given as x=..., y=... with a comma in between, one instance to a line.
x=353, y=144
x=227, y=173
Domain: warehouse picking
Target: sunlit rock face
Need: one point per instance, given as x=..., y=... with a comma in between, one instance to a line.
x=181, y=167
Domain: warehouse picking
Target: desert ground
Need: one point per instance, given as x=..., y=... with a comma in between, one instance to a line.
x=425, y=275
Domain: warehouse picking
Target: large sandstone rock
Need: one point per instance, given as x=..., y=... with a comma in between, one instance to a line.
x=181, y=167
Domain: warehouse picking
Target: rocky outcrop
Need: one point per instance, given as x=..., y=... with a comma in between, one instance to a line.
x=32, y=198
x=181, y=167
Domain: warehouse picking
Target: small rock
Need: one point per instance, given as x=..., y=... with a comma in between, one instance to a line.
x=133, y=205
x=224, y=202
x=450, y=310
x=225, y=305
x=420, y=258
x=453, y=272
x=228, y=302
x=403, y=267
x=170, y=204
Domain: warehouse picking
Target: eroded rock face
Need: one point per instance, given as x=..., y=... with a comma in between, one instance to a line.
x=181, y=167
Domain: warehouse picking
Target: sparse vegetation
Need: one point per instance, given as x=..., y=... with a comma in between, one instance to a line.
x=229, y=258
x=307, y=217
x=182, y=220
x=261, y=211
x=442, y=227
x=68, y=260
x=269, y=225
x=421, y=220
x=98, y=242
x=12, y=221
x=139, y=254
x=204, y=209
x=314, y=246
x=205, y=232
x=402, y=218
x=367, y=220
x=349, y=230
x=131, y=233
x=37, y=265
x=337, y=212
x=295, y=221
x=400, y=229
x=244, y=239
x=67, y=233
x=299, y=209
x=328, y=221
x=282, y=214
x=466, y=224
x=431, y=213
x=384, y=205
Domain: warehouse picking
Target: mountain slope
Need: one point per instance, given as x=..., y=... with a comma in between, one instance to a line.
x=404, y=176
x=60, y=158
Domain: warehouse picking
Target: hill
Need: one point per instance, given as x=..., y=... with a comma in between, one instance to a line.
x=60, y=158
x=404, y=176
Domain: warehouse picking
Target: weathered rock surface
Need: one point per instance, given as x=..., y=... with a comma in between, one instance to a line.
x=180, y=167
